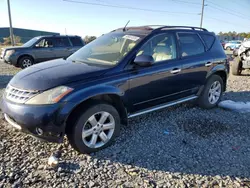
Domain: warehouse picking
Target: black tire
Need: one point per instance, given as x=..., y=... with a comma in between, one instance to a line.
x=74, y=133
x=25, y=62
x=228, y=48
x=203, y=100
x=236, y=66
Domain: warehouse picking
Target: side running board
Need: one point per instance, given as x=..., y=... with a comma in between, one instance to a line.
x=158, y=107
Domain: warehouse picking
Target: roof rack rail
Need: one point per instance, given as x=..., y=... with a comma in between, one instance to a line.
x=135, y=28
x=158, y=26
x=185, y=27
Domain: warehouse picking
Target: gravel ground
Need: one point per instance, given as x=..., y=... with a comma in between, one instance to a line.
x=182, y=146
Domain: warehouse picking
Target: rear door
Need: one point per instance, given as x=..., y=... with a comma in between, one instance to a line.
x=44, y=50
x=62, y=47
x=195, y=59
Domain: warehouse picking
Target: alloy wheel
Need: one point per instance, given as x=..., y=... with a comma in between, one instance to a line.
x=214, y=92
x=27, y=63
x=98, y=129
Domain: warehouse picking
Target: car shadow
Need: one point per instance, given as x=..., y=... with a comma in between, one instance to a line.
x=4, y=80
x=186, y=139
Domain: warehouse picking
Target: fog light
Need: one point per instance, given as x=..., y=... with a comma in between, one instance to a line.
x=39, y=131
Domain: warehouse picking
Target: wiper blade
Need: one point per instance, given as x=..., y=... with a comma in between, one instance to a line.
x=79, y=61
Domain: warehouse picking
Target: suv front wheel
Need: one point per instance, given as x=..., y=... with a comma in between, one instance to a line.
x=212, y=92
x=95, y=128
x=25, y=62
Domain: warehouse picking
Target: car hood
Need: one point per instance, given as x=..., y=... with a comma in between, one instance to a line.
x=15, y=48
x=54, y=73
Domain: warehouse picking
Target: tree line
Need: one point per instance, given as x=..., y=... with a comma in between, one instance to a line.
x=235, y=34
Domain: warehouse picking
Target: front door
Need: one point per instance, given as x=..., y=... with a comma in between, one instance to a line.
x=159, y=83
x=44, y=50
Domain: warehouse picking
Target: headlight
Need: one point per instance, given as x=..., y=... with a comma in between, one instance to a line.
x=50, y=96
x=9, y=52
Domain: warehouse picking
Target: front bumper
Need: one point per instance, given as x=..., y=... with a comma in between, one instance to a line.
x=32, y=119
x=9, y=59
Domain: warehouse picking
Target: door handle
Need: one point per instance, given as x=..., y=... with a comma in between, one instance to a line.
x=208, y=64
x=175, y=71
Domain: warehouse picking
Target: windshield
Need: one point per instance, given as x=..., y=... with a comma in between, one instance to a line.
x=108, y=49
x=30, y=42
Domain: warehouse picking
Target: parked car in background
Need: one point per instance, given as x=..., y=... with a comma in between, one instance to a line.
x=242, y=58
x=231, y=45
x=125, y=73
x=223, y=42
x=41, y=49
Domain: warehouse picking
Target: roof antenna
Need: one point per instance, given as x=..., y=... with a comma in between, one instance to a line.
x=124, y=29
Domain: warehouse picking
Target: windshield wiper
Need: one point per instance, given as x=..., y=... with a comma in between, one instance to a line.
x=79, y=61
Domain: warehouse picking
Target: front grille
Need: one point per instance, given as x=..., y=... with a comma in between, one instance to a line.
x=19, y=95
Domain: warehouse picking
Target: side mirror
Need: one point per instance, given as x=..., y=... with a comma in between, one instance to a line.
x=144, y=60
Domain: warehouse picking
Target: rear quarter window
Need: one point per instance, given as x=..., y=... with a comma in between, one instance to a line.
x=190, y=44
x=61, y=42
x=208, y=39
x=76, y=41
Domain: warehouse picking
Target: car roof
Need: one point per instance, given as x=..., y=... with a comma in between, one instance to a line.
x=45, y=36
x=147, y=29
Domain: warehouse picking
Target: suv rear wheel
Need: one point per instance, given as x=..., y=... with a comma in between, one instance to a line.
x=25, y=62
x=212, y=92
x=95, y=128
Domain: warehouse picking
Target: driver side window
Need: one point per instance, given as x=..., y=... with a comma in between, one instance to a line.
x=45, y=43
x=161, y=47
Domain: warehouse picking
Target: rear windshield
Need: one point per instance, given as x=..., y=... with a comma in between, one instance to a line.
x=76, y=41
x=208, y=39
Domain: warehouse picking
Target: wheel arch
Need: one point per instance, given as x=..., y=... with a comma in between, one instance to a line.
x=111, y=98
x=219, y=70
x=23, y=55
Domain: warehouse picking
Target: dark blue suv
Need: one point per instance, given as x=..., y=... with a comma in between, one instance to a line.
x=122, y=74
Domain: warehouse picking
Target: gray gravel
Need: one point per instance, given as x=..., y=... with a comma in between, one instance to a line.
x=182, y=146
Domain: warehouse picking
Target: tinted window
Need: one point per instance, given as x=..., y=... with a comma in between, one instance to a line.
x=61, y=42
x=161, y=47
x=208, y=39
x=76, y=41
x=190, y=44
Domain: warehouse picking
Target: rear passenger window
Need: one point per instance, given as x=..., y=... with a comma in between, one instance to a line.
x=208, y=39
x=61, y=42
x=76, y=41
x=191, y=44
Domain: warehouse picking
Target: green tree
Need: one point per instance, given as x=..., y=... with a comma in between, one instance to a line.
x=220, y=33
x=234, y=34
x=7, y=40
x=87, y=39
x=230, y=34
